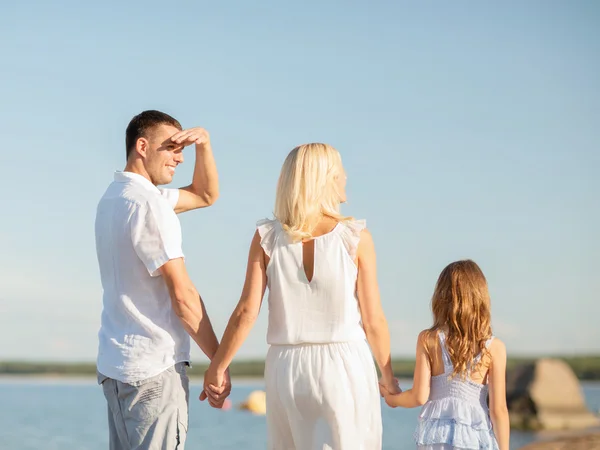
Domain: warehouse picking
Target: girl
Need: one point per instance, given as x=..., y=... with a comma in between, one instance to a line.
x=319, y=265
x=458, y=363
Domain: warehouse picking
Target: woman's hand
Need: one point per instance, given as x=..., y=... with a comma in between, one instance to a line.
x=217, y=386
x=389, y=390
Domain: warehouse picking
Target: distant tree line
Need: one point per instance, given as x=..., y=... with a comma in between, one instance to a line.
x=585, y=367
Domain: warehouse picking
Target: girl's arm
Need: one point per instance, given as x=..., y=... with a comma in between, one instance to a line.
x=243, y=317
x=497, y=381
x=419, y=393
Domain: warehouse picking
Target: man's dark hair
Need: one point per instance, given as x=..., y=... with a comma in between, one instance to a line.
x=141, y=124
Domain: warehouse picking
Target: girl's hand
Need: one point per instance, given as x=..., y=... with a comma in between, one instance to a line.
x=389, y=400
x=389, y=387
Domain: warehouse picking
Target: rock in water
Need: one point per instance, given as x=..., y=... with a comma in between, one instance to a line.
x=546, y=395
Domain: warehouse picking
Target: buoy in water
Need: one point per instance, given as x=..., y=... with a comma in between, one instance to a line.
x=255, y=403
x=226, y=405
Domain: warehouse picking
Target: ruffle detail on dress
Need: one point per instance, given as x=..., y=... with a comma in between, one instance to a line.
x=458, y=435
x=455, y=422
x=350, y=233
x=267, y=229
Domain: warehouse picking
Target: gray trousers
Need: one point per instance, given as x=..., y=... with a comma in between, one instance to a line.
x=151, y=414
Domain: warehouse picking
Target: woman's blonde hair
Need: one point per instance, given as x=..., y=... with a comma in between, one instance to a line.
x=461, y=305
x=307, y=189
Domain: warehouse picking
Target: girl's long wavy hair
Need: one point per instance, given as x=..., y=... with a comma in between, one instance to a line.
x=307, y=189
x=461, y=305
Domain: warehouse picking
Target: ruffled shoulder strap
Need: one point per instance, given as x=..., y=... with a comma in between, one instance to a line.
x=487, y=346
x=350, y=232
x=448, y=366
x=268, y=229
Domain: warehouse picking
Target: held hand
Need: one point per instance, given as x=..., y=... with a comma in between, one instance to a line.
x=217, y=387
x=388, y=400
x=198, y=136
x=389, y=387
x=226, y=387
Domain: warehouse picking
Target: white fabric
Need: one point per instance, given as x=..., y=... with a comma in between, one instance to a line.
x=323, y=310
x=321, y=383
x=137, y=231
x=322, y=397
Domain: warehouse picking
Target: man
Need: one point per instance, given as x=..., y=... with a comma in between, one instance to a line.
x=150, y=306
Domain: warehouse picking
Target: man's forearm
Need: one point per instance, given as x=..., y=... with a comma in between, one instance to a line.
x=192, y=314
x=205, y=336
x=205, y=182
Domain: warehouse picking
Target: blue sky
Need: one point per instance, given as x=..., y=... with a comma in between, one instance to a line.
x=467, y=130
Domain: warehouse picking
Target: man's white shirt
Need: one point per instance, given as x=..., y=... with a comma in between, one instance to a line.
x=137, y=232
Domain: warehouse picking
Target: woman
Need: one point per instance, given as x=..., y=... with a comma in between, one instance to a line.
x=321, y=382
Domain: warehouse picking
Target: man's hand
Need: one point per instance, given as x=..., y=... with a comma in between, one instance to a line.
x=204, y=189
x=197, y=135
x=217, y=387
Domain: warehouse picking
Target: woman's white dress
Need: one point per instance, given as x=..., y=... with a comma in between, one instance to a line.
x=321, y=382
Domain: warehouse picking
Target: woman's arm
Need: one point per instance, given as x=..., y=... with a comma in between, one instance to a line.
x=243, y=317
x=373, y=318
x=419, y=393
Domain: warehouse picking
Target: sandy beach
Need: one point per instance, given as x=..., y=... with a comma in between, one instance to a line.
x=584, y=440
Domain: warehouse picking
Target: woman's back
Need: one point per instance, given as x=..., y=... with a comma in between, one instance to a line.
x=320, y=378
x=312, y=285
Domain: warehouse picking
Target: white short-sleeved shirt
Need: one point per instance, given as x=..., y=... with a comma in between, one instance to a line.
x=137, y=231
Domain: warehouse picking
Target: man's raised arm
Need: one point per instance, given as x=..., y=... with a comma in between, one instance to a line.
x=204, y=189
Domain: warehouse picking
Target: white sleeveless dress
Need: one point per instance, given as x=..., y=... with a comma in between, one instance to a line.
x=321, y=382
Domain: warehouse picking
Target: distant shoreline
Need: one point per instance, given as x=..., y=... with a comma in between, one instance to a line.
x=586, y=368
x=91, y=379
x=194, y=379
